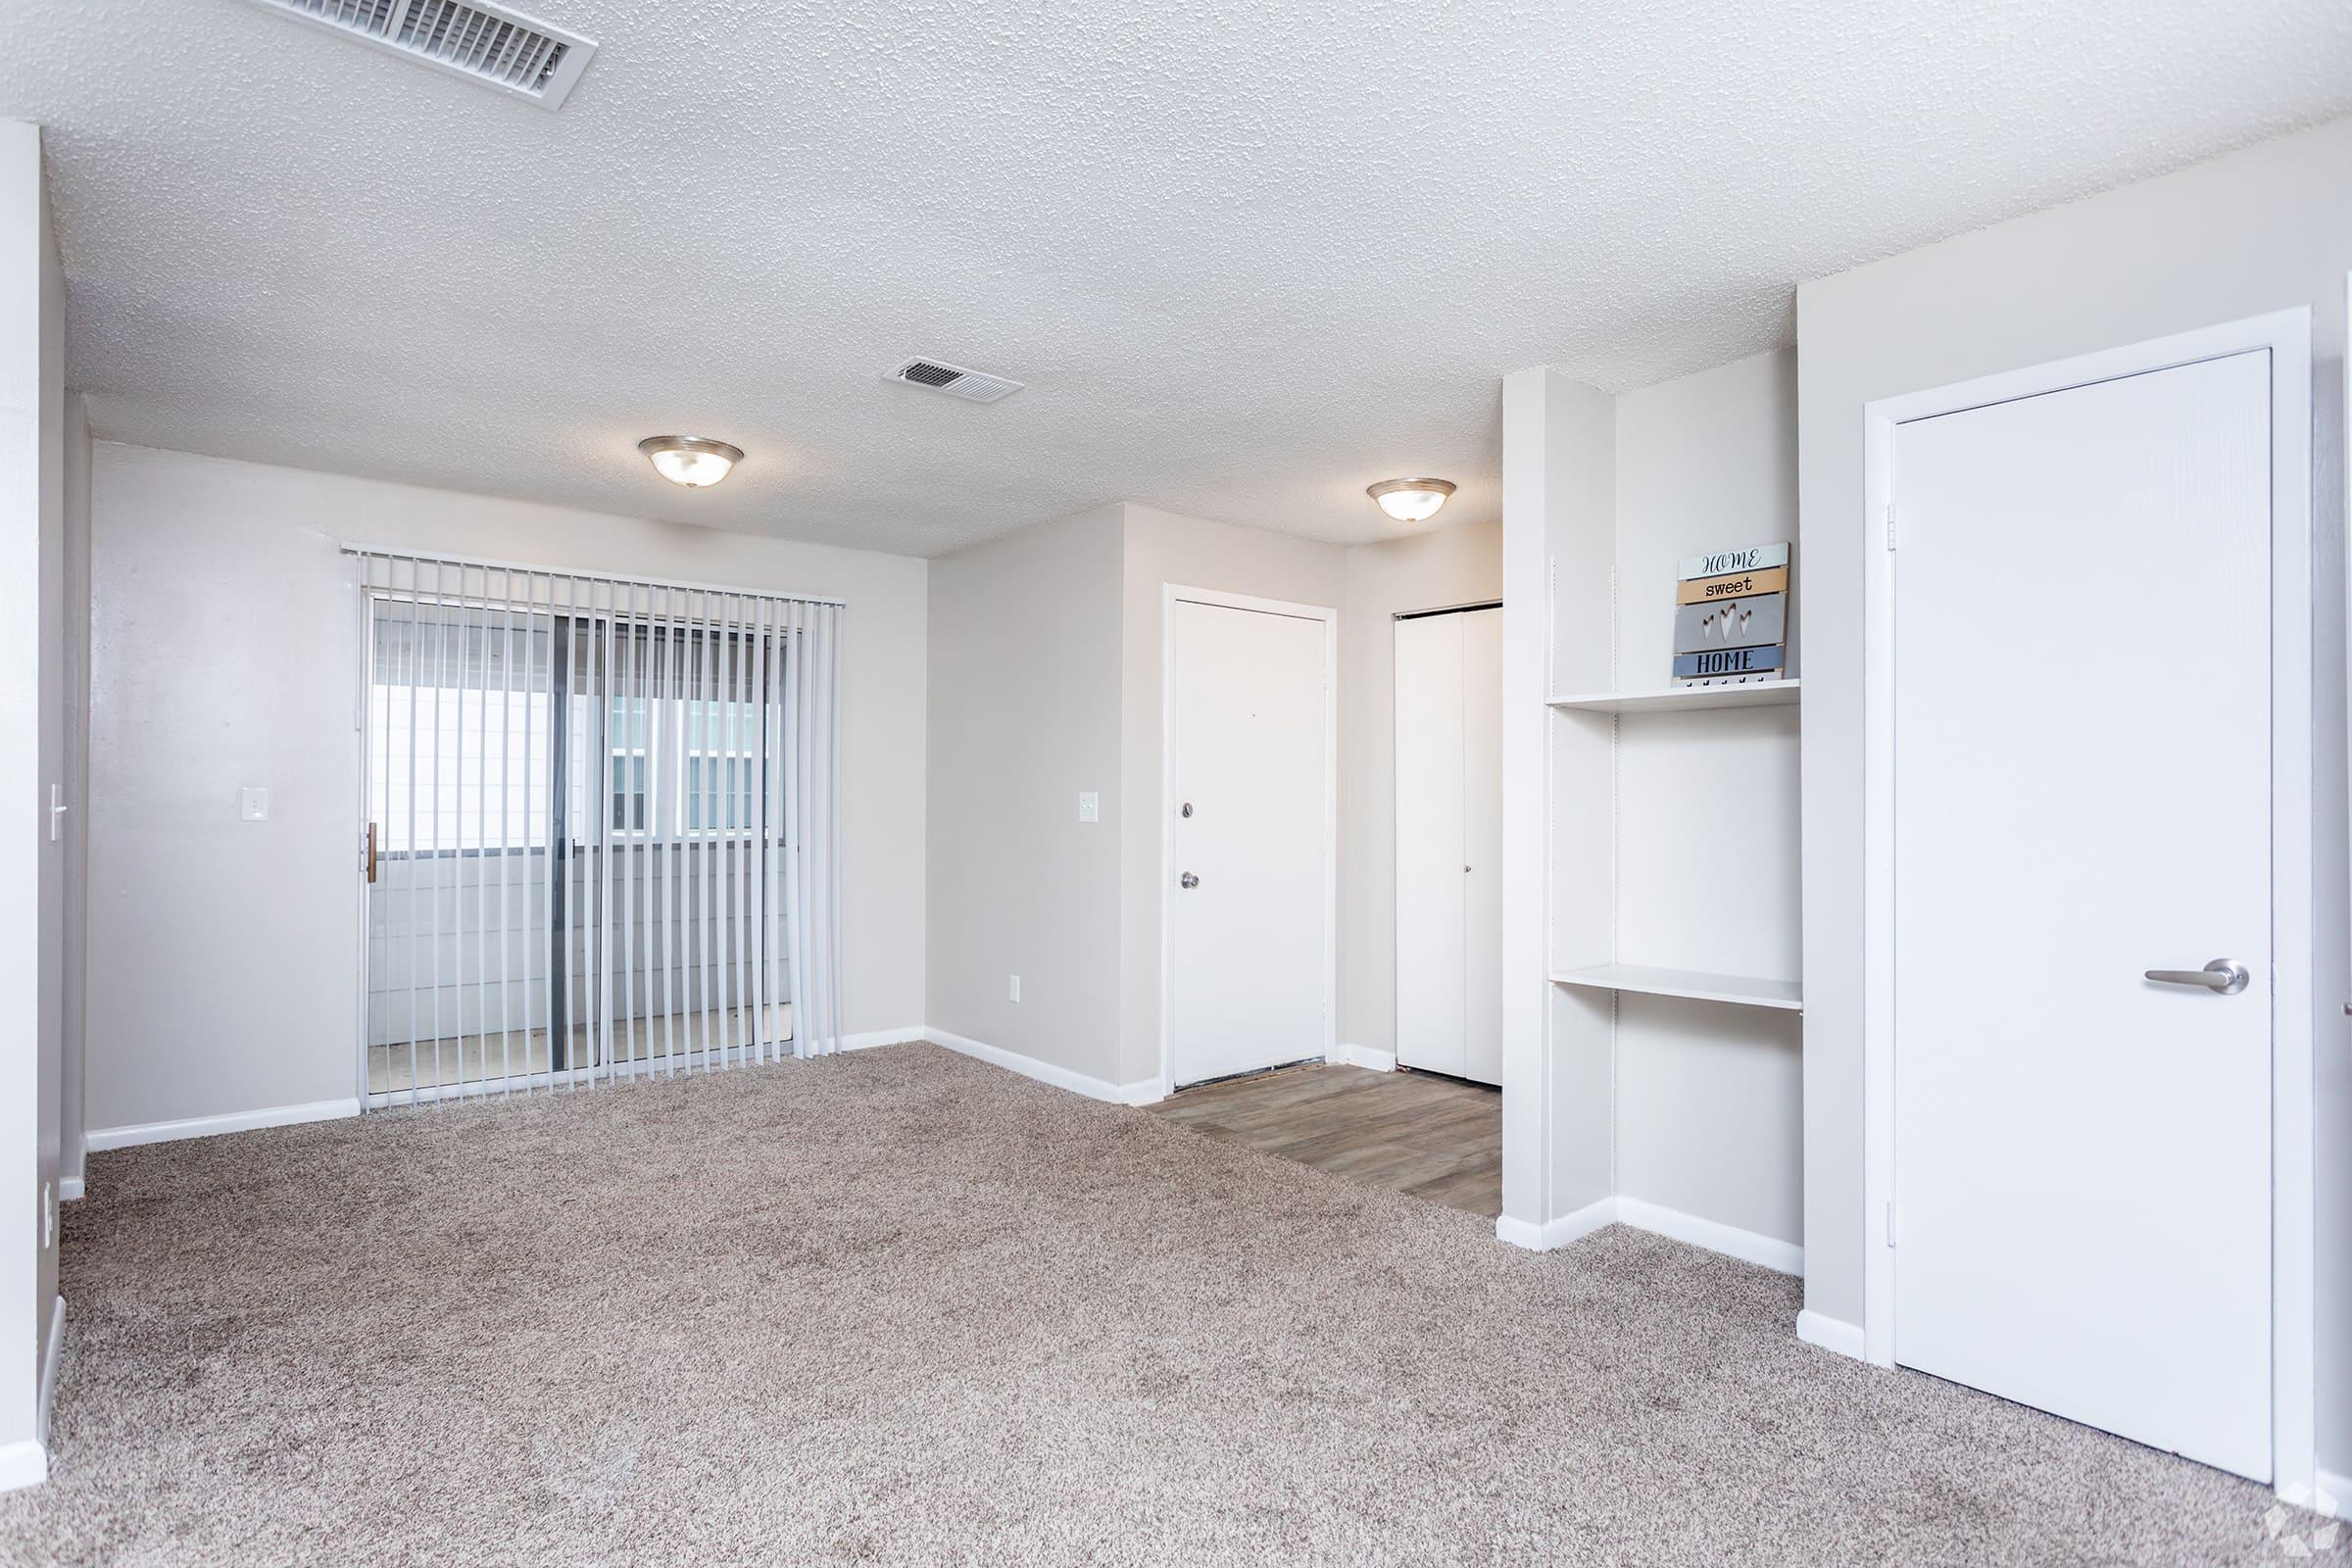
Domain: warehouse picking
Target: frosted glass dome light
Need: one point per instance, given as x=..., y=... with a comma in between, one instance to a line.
x=1410, y=500
x=693, y=461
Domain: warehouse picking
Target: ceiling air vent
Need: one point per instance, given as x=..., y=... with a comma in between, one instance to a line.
x=483, y=44
x=974, y=386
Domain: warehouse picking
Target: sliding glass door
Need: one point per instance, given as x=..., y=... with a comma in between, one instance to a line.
x=593, y=816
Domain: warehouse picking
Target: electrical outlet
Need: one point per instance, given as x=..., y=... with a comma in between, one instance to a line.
x=1015, y=989
x=1090, y=807
x=253, y=804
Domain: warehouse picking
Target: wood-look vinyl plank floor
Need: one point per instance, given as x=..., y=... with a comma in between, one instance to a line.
x=1433, y=1138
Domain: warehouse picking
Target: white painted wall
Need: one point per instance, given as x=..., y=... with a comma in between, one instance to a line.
x=1024, y=700
x=2263, y=230
x=1161, y=548
x=223, y=954
x=1709, y=1098
x=1451, y=565
x=33, y=645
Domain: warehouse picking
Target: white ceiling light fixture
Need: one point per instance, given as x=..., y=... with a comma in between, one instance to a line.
x=694, y=460
x=1410, y=500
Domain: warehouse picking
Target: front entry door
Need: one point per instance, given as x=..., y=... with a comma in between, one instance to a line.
x=1249, y=941
x=2082, y=795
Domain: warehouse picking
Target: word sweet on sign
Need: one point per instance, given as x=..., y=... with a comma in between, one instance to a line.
x=1698, y=590
x=1731, y=616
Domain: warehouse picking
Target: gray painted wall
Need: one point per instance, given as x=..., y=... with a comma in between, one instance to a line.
x=2260, y=231
x=1024, y=715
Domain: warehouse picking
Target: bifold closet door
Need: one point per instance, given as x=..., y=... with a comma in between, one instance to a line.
x=1449, y=844
x=1431, y=899
x=1482, y=844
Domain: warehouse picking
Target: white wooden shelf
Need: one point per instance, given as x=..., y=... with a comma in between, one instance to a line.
x=1685, y=699
x=1698, y=984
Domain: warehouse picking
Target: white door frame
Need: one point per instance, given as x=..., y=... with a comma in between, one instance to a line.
x=2286, y=334
x=1169, y=595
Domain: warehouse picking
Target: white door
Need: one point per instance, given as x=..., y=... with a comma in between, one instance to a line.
x=1250, y=920
x=1481, y=845
x=2082, y=794
x=1449, y=844
x=1432, y=910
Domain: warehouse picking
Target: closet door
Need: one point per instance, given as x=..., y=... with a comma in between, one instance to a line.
x=1429, y=904
x=1482, y=844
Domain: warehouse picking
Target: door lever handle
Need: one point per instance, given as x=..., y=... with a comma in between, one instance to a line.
x=2225, y=975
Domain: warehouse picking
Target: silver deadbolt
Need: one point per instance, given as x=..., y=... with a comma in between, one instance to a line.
x=2225, y=975
x=1188, y=880
x=1186, y=809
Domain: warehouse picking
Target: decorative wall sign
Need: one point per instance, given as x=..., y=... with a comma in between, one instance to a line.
x=1749, y=622
x=1731, y=616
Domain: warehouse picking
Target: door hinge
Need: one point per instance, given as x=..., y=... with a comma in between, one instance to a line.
x=1891, y=525
x=1891, y=1224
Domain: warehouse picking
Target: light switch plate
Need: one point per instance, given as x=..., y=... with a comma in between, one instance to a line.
x=1013, y=991
x=1090, y=807
x=253, y=804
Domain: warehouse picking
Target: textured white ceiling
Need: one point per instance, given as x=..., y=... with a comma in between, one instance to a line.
x=1248, y=258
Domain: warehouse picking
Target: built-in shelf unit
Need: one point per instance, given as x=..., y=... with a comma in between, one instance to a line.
x=1670, y=1059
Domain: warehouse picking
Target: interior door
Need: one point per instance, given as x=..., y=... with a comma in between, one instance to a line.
x=2083, y=1151
x=1248, y=937
x=1431, y=903
x=1481, y=845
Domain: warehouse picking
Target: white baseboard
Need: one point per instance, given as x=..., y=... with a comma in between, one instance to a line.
x=1045, y=1073
x=49, y=1359
x=1557, y=1233
x=68, y=1188
x=157, y=1132
x=912, y=1032
x=1656, y=1218
x=1150, y=1092
x=23, y=1464
x=1830, y=1334
x=1363, y=1056
x=1716, y=1236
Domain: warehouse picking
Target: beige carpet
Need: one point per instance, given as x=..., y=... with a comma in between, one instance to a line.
x=901, y=1307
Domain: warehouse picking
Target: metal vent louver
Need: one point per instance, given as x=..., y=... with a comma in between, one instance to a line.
x=956, y=380
x=481, y=42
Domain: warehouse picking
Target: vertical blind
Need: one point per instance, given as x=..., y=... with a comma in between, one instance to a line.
x=605, y=827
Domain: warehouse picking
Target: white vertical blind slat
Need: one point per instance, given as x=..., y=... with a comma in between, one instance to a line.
x=625, y=827
x=804, y=981
x=432, y=879
x=707, y=856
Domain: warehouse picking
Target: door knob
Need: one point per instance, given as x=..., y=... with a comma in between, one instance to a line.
x=1188, y=880
x=2225, y=975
